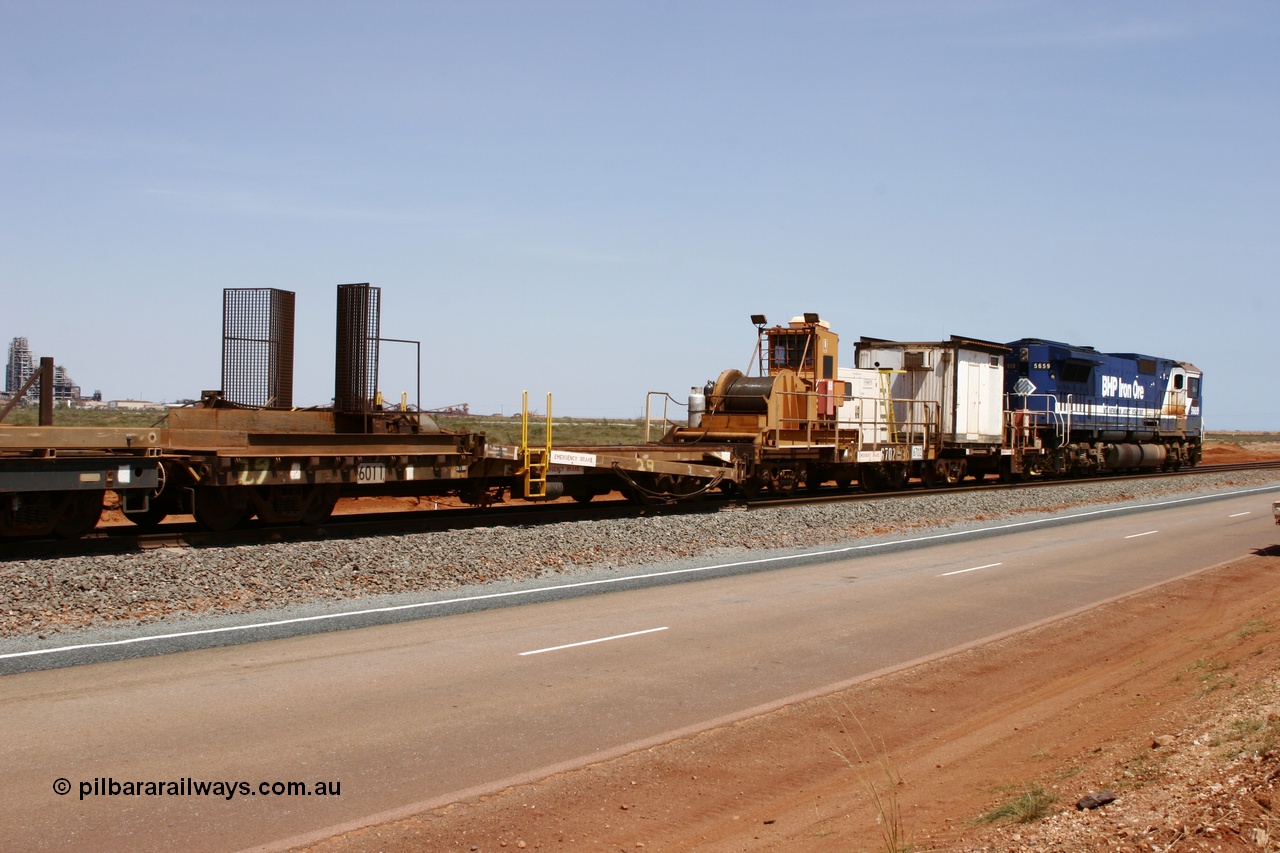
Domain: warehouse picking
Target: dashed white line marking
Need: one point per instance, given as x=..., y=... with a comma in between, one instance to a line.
x=1136, y=535
x=590, y=642
x=1238, y=514
x=974, y=569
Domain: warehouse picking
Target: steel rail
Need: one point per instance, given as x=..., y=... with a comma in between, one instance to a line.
x=827, y=495
x=125, y=539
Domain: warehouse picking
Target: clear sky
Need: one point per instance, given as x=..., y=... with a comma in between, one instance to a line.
x=591, y=198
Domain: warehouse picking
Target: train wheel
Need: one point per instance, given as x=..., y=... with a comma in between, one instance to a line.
x=897, y=475
x=323, y=500
x=28, y=514
x=1055, y=466
x=281, y=504
x=929, y=475
x=943, y=472
x=667, y=488
x=150, y=518
x=219, y=507
x=79, y=515
x=294, y=504
x=160, y=503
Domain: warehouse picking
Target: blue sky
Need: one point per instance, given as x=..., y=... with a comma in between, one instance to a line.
x=591, y=198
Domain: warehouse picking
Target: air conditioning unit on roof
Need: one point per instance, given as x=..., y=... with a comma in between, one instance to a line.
x=917, y=360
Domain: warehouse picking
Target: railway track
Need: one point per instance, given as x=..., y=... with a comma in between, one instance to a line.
x=125, y=539
x=828, y=496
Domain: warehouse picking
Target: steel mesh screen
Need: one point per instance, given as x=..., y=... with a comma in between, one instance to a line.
x=257, y=346
x=359, y=327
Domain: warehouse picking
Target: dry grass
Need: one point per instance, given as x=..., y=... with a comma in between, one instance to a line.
x=879, y=779
x=1030, y=804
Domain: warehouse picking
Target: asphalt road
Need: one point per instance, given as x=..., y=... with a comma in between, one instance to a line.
x=396, y=718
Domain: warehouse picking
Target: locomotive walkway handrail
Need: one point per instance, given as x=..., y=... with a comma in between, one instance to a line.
x=1062, y=423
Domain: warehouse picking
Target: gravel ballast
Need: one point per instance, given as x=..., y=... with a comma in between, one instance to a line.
x=66, y=599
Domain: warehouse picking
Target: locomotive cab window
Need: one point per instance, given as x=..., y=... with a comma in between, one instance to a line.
x=1177, y=382
x=789, y=351
x=1193, y=386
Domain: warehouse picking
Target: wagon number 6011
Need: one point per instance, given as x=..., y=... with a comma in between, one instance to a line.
x=371, y=472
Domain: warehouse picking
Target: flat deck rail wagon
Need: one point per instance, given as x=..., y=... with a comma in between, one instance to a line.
x=54, y=480
x=226, y=464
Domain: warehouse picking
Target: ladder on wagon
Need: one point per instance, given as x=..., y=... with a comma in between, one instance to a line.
x=536, y=460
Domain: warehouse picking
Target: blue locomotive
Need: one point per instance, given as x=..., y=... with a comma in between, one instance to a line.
x=1075, y=411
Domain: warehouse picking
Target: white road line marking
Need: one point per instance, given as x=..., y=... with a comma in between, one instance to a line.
x=590, y=642
x=542, y=590
x=974, y=569
x=1238, y=514
x=1136, y=535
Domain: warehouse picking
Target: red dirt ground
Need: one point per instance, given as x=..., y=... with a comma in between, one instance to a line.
x=1227, y=452
x=1074, y=707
